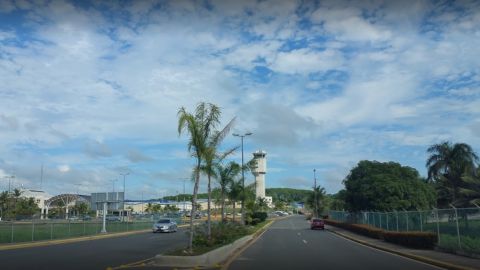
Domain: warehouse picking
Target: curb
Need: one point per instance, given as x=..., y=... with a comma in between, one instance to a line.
x=403, y=254
x=71, y=240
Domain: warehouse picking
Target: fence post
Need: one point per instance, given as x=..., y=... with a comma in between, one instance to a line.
x=51, y=231
x=406, y=218
x=458, y=229
x=33, y=229
x=11, y=238
x=69, y=229
x=84, y=227
x=438, y=225
x=421, y=221
x=396, y=214
x=386, y=213
x=380, y=215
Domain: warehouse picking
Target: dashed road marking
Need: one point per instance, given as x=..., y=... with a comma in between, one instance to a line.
x=304, y=241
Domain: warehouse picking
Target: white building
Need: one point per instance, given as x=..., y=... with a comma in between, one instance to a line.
x=259, y=172
x=38, y=195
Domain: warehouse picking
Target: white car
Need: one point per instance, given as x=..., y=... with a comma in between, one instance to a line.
x=164, y=225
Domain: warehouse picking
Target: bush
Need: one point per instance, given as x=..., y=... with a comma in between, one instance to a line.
x=411, y=239
x=256, y=217
x=222, y=233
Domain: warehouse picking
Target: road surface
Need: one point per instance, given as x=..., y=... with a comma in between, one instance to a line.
x=95, y=254
x=290, y=244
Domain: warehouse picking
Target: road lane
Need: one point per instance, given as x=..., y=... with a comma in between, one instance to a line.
x=290, y=244
x=95, y=254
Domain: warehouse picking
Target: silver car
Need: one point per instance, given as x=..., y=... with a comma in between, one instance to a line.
x=165, y=225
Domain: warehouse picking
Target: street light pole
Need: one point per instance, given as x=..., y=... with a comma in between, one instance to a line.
x=243, y=176
x=113, y=183
x=124, y=193
x=314, y=191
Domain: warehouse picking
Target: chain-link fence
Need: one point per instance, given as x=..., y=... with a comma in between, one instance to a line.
x=457, y=229
x=49, y=229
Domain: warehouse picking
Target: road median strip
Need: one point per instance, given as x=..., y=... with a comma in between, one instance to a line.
x=404, y=254
x=213, y=258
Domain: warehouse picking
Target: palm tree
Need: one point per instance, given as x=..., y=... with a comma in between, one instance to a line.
x=235, y=193
x=447, y=163
x=225, y=175
x=211, y=157
x=199, y=126
x=319, y=194
x=470, y=192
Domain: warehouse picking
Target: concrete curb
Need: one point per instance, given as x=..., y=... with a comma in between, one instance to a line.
x=403, y=254
x=72, y=240
x=212, y=258
x=208, y=259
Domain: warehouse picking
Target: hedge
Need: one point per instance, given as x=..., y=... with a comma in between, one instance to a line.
x=358, y=228
x=411, y=239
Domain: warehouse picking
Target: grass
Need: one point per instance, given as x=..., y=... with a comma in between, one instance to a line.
x=46, y=230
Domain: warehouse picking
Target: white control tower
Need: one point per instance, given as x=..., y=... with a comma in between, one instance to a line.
x=259, y=173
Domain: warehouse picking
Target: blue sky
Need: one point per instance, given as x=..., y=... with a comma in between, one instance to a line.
x=91, y=89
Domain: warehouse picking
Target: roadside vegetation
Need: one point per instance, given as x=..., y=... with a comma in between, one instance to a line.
x=204, y=145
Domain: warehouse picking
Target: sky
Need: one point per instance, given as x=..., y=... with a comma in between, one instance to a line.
x=90, y=90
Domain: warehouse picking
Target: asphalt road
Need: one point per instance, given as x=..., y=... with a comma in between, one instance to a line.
x=290, y=244
x=95, y=254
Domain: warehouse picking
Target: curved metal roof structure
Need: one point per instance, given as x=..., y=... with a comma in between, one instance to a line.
x=66, y=199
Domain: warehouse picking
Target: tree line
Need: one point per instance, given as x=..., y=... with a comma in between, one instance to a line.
x=453, y=180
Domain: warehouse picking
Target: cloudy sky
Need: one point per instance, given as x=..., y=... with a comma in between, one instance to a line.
x=91, y=89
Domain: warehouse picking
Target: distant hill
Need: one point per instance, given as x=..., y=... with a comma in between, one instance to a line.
x=287, y=194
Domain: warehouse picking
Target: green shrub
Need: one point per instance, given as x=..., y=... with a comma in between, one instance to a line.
x=256, y=217
x=411, y=239
x=222, y=233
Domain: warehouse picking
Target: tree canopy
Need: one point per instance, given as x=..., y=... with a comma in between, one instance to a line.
x=386, y=186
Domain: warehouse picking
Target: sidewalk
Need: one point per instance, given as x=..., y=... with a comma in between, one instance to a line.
x=441, y=259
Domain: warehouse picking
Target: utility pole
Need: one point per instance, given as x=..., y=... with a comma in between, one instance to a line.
x=124, y=195
x=243, y=176
x=315, y=191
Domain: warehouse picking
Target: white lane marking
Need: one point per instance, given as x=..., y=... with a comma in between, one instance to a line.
x=304, y=241
x=299, y=234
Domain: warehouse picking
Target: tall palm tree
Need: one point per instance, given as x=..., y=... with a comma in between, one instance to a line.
x=470, y=192
x=225, y=175
x=318, y=194
x=199, y=126
x=211, y=157
x=235, y=193
x=449, y=162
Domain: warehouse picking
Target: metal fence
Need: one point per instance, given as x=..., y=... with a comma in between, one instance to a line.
x=457, y=229
x=49, y=229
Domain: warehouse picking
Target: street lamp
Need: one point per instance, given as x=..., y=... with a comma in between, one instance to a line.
x=113, y=183
x=10, y=177
x=243, y=175
x=124, y=193
x=314, y=191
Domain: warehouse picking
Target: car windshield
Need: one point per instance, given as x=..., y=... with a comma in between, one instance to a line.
x=164, y=221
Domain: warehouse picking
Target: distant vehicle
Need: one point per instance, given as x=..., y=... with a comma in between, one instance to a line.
x=198, y=215
x=112, y=218
x=317, y=224
x=165, y=225
x=74, y=218
x=281, y=213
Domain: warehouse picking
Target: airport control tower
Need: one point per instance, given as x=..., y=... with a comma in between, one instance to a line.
x=259, y=173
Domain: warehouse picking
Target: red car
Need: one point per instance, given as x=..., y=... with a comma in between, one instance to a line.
x=317, y=224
